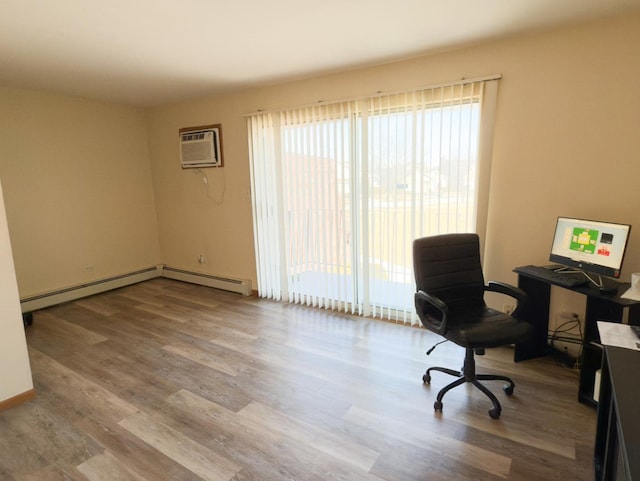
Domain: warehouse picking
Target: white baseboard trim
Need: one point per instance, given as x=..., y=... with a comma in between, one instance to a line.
x=241, y=286
x=96, y=287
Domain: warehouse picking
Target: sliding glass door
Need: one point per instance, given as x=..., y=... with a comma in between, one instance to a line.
x=340, y=191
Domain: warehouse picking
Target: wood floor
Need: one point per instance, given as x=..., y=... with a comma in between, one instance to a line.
x=169, y=381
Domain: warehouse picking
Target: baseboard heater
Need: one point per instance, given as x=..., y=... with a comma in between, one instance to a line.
x=73, y=293
x=83, y=290
x=241, y=286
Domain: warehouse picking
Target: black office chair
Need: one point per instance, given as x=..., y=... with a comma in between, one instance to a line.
x=450, y=302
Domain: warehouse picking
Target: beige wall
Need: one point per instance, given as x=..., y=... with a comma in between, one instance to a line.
x=566, y=143
x=212, y=219
x=566, y=140
x=77, y=187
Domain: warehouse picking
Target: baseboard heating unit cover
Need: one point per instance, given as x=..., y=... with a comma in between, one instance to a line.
x=241, y=286
x=83, y=290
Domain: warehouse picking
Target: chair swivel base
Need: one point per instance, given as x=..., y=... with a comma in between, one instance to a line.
x=468, y=374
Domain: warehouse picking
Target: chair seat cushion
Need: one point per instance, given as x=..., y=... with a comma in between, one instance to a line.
x=486, y=327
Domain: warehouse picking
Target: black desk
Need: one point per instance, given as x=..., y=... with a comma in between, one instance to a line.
x=617, y=448
x=599, y=307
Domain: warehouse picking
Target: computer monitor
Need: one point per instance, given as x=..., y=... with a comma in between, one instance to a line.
x=590, y=246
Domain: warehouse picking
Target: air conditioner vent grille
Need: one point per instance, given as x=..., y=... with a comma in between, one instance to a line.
x=201, y=148
x=196, y=136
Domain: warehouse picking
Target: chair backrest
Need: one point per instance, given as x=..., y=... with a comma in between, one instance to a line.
x=448, y=267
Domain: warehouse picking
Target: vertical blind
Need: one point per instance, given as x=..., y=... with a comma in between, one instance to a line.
x=340, y=191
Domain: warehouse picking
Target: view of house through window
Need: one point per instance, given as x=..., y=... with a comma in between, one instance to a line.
x=340, y=191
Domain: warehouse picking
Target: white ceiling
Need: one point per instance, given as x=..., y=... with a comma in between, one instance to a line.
x=149, y=52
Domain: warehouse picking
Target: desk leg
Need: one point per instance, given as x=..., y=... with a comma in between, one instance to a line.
x=536, y=312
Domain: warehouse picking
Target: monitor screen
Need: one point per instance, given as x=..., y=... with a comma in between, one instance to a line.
x=590, y=245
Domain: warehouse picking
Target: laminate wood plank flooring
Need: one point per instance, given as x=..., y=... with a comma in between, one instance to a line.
x=165, y=380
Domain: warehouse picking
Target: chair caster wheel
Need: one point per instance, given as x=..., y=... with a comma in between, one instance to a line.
x=508, y=389
x=437, y=406
x=426, y=379
x=494, y=413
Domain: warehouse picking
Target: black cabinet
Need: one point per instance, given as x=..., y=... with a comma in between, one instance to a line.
x=617, y=447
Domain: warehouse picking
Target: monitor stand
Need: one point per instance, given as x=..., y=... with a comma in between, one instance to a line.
x=608, y=289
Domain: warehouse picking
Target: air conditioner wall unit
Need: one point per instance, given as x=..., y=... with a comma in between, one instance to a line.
x=201, y=147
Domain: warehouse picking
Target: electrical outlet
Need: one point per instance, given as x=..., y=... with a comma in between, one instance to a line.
x=88, y=268
x=202, y=259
